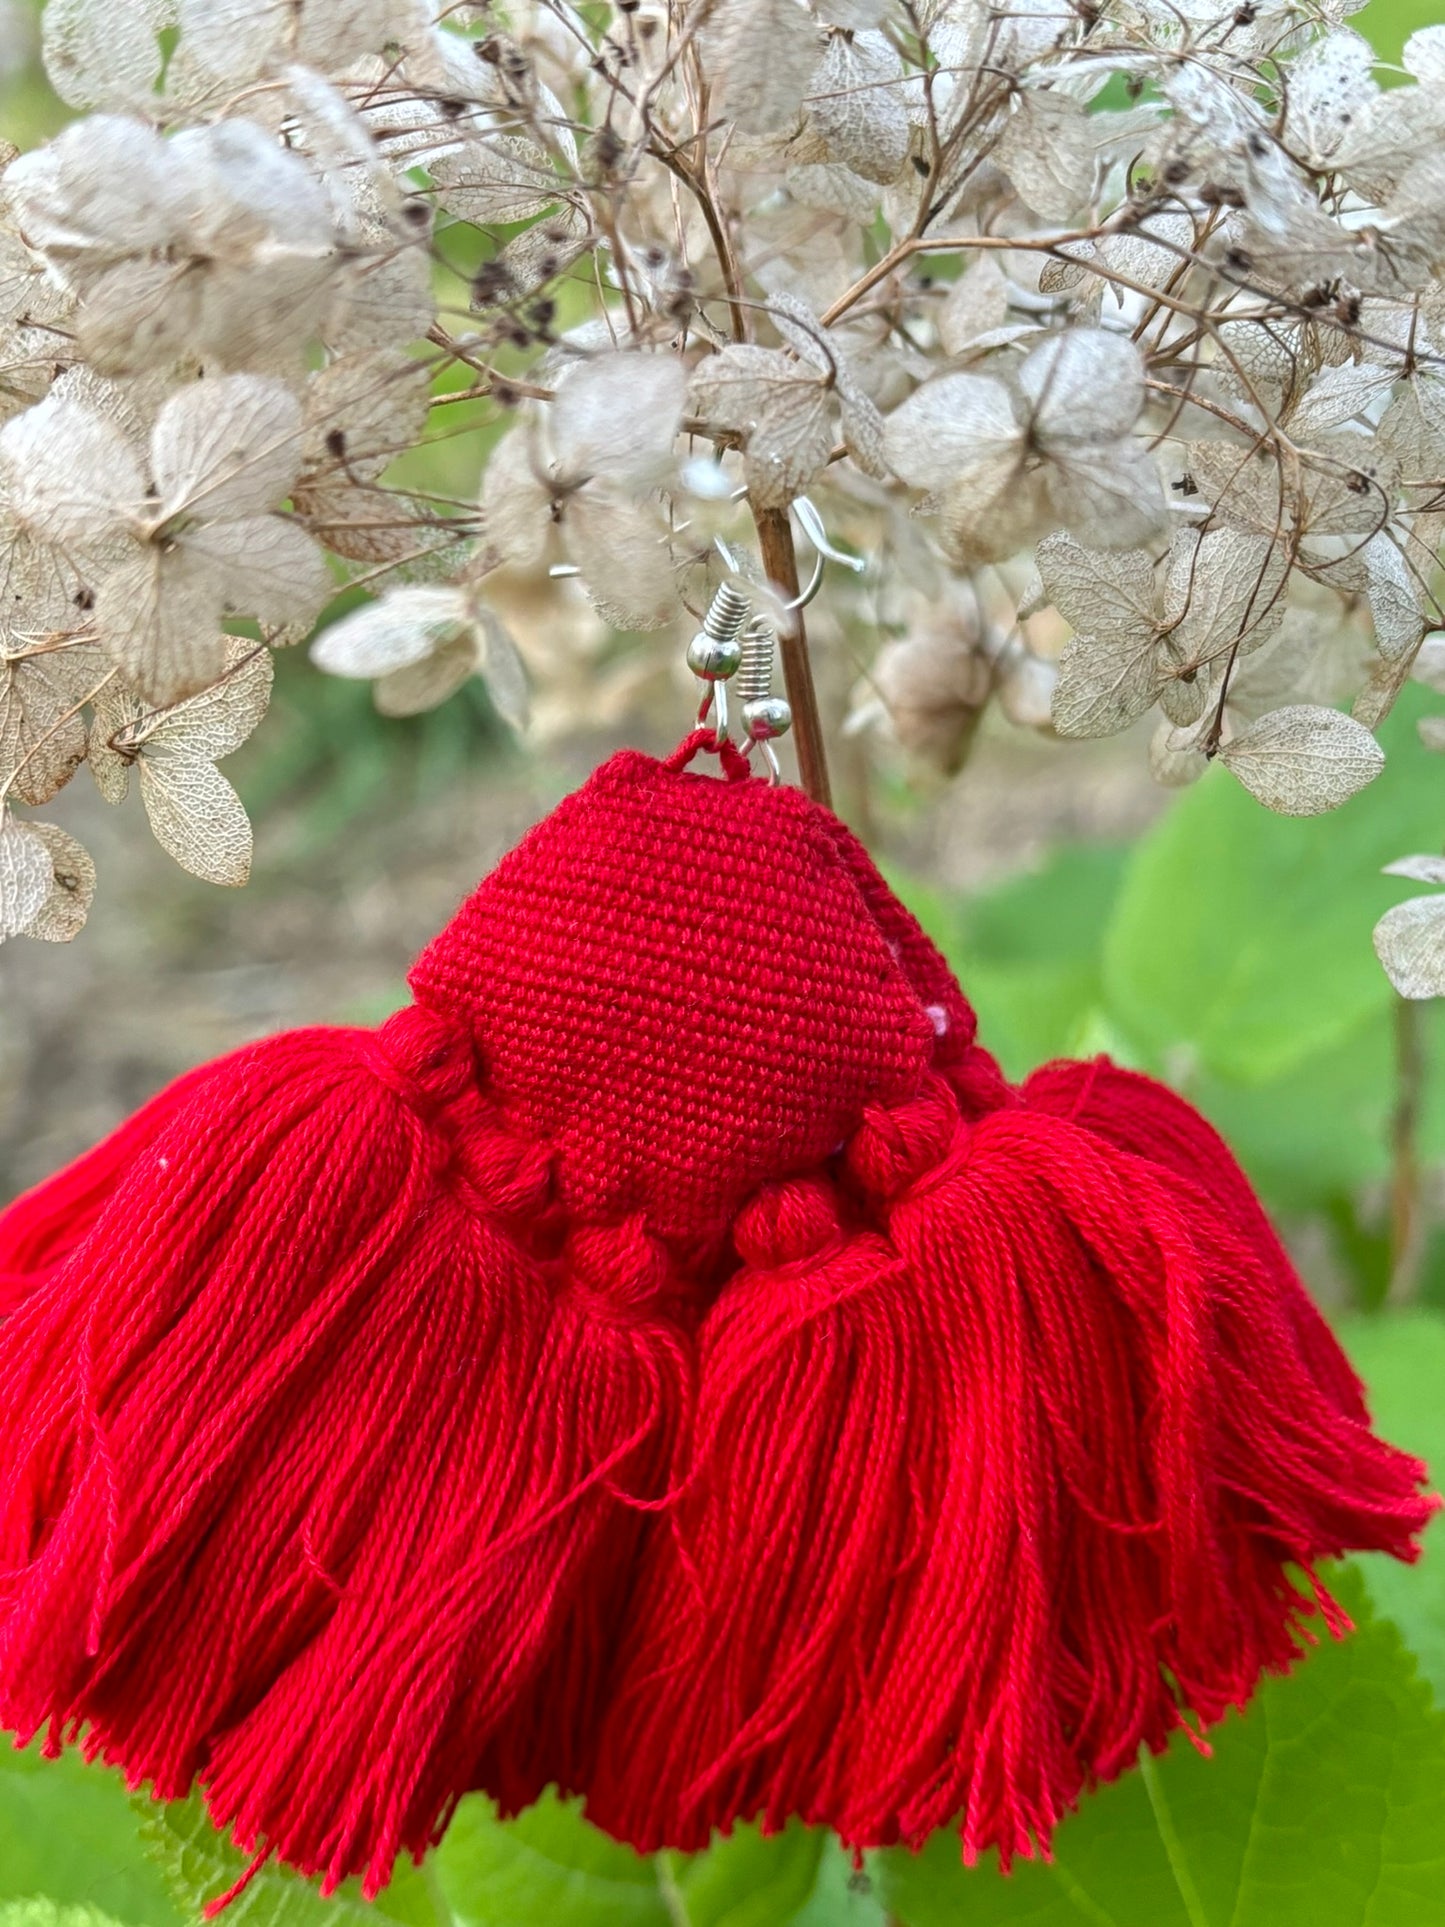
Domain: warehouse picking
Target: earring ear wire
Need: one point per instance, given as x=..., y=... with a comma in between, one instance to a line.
x=737, y=641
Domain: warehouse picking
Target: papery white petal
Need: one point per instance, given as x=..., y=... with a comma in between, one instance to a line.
x=226, y=447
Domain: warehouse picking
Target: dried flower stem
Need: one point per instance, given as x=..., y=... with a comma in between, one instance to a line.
x=1407, y=1217
x=780, y=560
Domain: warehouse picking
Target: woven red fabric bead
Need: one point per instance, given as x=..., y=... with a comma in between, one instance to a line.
x=676, y=982
x=668, y=1361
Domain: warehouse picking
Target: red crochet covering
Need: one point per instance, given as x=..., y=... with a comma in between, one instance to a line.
x=669, y=1361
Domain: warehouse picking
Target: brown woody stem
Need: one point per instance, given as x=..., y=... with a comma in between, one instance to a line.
x=1407, y=1215
x=780, y=563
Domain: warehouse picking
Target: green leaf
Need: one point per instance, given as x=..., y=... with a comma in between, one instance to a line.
x=1323, y=1806
x=201, y=1864
x=67, y=1831
x=1320, y=1129
x=1401, y=1357
x=798, y=1878
x=548, y=1865
x=747, y=1880
x=40, y=1911
x=1241, y=940
x=841, y=1896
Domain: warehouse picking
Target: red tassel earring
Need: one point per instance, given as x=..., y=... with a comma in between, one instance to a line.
x=666, y=1360
x=1011, y=1423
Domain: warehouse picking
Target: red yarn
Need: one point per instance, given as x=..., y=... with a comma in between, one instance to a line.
x=1146, y=1117
x=305, y=1460
x=669, y=1361
x=1050, y=1445
x=43, y=1226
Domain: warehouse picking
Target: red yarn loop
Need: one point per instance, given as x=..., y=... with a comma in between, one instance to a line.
x=430, y=1062
x=427, y=1059
x=978, y=1083
x=735, y=765
x=897, y=1145
x=783, y=1223
x=512, y=1176
x=618, y=1267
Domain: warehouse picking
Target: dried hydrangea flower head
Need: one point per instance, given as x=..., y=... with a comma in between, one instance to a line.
x=1149, y=296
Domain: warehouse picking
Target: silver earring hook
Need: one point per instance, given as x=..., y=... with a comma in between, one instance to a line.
x=823, y=552
x=737, y=641
x=765, y=716
x=715, y=653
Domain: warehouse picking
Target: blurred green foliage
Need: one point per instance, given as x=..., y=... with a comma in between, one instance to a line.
x=1388, y=24
x=1229, y=952
x=327, y=759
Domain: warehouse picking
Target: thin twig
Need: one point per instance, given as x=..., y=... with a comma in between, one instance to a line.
x=780, y=561
x=1407, y=1216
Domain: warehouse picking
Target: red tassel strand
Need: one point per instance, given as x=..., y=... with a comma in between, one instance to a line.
x=1033, y=1495
x=667, y=1361
x=304, y=1460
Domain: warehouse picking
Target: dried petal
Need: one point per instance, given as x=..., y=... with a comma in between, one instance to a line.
x=952, y=424
x=42, y=731
x=497, y=178
x=366, y=523
x=70, y=474
x=1394, y=598
x=1110, y=496
x=1175, y=758
x=1108, y=593
x=1223, y=593
x=764, y=52
x=620, y=547
x=61, y=917
x=209, y=726
x=934, y=684
x=25, y=874
x=427, y=684
x=1084, y=386
x=516, y=501
x=1338, y=395
x=1419, y=869
x=1327, y=88
x=362, y=410
x=1047, y=151
x=1353, y=490
x=104, y=188
x=226, y=448
x=159, y=620
x=781, y=405
x=618, y=416
x=263, y=566
x=856, y=104
x=196, y=817
x=1410, y=943
x=991, y=510
x=1303, y=760
x=401, y=629
x=976, y=304
x=1104, y=686
x=504, y=672
x=103, y=56
x=386, y=302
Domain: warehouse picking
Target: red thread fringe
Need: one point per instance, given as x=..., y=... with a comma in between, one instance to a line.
x=306, y=1462
x=1007, y=1437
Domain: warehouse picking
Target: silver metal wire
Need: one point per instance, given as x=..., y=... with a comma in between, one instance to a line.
x=726, y=614
x=755, y=672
